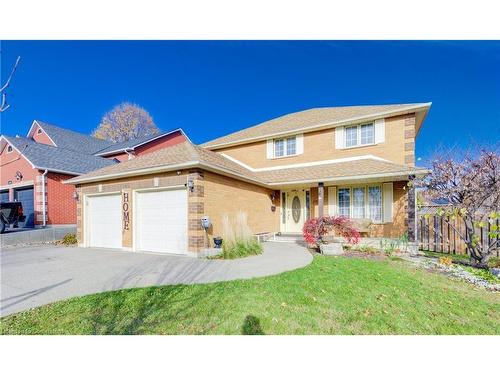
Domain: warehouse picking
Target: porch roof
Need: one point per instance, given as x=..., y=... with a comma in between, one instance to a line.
x=347, y=171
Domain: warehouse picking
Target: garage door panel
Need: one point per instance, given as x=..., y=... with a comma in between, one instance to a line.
x=161, y=221
x=26, y=197
x=104, y=221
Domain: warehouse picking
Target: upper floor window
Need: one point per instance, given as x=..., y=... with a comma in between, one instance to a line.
x=285, y=147
x=359, y=135
x=9, y=148
x=39, y=131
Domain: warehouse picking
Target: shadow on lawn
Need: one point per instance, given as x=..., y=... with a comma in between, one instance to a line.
x=251, y=326
x=152, y=310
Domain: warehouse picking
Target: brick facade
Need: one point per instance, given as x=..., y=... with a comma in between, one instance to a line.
x=61, y=206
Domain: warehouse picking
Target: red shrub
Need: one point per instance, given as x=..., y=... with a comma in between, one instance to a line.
x=315, y=228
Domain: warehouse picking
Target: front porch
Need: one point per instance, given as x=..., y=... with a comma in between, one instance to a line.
x=387, y=205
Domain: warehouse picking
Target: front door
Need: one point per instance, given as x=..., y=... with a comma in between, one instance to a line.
x=295, y=211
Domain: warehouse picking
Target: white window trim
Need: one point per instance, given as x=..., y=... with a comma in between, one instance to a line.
x=367, y=205
x=358, y=131
x=299, y=146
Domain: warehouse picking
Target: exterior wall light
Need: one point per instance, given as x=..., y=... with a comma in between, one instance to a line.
x=190, y=185
x=75, y=195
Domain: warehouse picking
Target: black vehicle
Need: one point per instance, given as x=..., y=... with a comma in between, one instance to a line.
x=10, y=213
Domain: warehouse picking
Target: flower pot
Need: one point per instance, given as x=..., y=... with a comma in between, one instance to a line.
x=218, y=242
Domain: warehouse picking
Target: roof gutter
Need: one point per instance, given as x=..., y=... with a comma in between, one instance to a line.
x=328, y=125
x=135, y=172
x=419, y=172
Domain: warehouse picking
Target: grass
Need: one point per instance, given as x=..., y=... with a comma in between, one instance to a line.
x=333, y=295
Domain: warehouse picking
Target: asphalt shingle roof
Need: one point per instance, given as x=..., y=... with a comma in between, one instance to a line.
x=186, y=153
x=57, y=158
x=344, y=169
x=130, y=144
x=310, y=119
x=68, y=139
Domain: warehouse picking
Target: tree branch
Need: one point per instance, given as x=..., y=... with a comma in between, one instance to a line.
x=4, y=106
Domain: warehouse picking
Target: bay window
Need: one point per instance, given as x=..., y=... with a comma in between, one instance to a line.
x=344, y=202
x=375, y=203
x=360, y=202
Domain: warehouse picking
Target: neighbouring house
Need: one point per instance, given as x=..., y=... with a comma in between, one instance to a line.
x=32, y=168
x=354, y=161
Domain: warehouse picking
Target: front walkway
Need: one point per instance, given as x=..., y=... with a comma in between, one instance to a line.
x=37, y=275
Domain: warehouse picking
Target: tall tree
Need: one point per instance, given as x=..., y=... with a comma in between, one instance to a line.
x=471, y=187
x=124, y=122
x=3, y=88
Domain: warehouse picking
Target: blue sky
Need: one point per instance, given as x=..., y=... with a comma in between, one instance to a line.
x=211, y=88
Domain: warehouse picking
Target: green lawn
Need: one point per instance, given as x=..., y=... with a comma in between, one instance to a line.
x=330, y=296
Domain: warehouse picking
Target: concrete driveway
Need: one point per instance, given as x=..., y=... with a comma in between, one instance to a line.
x=36, y=275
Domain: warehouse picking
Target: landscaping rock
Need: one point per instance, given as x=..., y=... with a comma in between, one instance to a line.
x=334, y=248
x=496, y=272
x=412, y=249
x=453, y=271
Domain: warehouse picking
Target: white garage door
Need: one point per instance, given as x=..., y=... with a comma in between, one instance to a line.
x=161, y=221
x=104, y=221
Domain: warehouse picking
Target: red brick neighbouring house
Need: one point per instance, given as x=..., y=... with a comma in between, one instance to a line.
x=33, y=168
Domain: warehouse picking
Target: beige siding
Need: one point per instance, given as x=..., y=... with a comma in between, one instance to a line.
x=320, y=145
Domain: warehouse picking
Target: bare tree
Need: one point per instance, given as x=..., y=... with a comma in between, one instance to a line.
x=124, y=122
x=3, y=89
x=471, y=188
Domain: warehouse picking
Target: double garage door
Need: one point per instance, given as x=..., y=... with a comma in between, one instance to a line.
x=158, y=222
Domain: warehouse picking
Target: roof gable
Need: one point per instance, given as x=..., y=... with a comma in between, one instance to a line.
x=42, y=156
x=71, y=140
x=133, y=143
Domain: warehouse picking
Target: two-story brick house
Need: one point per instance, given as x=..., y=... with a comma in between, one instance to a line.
x=33, y=168
x=352, y=161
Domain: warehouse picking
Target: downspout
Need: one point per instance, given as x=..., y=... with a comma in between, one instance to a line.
x=130, y=156
x=44, y=208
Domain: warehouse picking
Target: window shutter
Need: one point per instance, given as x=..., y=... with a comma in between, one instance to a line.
x=270, y=153
x=332, y=201
x=387, y=201
x=339, y=137
x=299, y=144
x=380, y=131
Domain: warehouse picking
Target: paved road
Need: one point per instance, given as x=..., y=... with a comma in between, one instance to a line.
x=36, y=275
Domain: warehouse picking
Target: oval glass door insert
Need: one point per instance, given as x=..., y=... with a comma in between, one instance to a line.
x=296, y=209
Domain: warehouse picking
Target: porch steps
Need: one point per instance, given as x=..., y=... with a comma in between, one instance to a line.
x=288, y=238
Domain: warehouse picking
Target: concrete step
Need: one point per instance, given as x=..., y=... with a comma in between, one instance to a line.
x=290, y=238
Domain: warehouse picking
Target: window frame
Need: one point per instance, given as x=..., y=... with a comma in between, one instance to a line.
x=358, y=135
x=366, y=188
x=285, y=147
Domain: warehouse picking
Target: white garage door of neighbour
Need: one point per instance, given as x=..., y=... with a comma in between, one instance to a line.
x=104, y=221
x=161, y=221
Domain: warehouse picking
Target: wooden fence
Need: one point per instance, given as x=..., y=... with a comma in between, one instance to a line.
x=434, y=233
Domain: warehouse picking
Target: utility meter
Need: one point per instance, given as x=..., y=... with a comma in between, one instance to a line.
x=205, y=222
